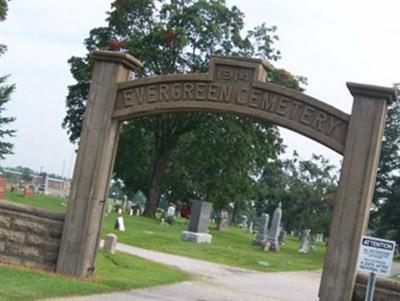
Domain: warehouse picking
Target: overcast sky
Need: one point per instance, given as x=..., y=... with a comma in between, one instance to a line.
x=329, y=42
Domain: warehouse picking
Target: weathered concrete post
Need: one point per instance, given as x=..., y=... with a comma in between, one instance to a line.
x=356, y=187
x=93, y=165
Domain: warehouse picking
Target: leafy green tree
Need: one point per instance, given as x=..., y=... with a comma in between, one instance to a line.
x=389, y=164
x=384, y=216
x=27, y=173
x=3, y=15
x=178, y=37
x=306, y=189
x=5, y=94
x=218, y=162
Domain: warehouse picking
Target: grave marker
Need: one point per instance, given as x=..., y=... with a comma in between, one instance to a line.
x=262, y=234
x=110, y=243
x=223, y=224
x=119, y=224
x=273, y=236
x=198, y=224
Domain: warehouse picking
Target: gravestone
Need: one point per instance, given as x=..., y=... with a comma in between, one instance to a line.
x=243, y=222
x=118, y=208
x=251, y=227
x=313, y=247
x=110, y=243
x=136, y=209
x=28, y=192
x=273, y=235
x=282, y=237
x=170, y=215
x=109, y=208
x=198, y=224
x=262, y=235
x=44, y=183
x=3, y=185
x=119, y=224
x=319, y=237
x=223, y=224
x=304, y=244
x=171, y=210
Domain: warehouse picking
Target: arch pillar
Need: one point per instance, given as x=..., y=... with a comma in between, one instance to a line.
x=355, y=191
x=93, y=166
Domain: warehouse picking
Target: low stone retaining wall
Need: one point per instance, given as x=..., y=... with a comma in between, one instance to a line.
x=385, y=289
x=29, y=237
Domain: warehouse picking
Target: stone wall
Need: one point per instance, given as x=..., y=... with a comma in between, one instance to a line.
x=385, y=289
x=29, y=237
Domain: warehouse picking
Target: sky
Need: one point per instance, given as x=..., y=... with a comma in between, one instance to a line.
x=329, y=42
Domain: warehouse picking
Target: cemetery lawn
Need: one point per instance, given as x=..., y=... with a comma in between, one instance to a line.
x=51, y=203
x=114, y=273
x=233, y=247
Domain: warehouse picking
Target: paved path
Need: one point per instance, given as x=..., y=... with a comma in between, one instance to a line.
x=216, y=282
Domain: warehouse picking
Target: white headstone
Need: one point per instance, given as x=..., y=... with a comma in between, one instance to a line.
x=304, y=244
x=243, y=223
x=251, y=226
x=171, y=210
x=119, y=224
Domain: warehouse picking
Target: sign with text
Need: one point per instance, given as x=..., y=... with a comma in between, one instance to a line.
x=376, y=255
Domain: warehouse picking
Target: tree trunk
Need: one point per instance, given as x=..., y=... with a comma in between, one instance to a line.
x=234, y=211
x=157, y=174
x=162, y=153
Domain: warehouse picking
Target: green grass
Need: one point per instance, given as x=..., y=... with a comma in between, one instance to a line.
x=233, y=247
x=50, y=203
x=114, y=273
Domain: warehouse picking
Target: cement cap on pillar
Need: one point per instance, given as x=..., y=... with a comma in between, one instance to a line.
x=122, y=58
x=264, y=63
x=372, y=91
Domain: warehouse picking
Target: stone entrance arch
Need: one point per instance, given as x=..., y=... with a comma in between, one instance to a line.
x=232, y=85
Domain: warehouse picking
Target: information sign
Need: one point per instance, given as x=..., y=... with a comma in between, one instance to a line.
x=376, y=256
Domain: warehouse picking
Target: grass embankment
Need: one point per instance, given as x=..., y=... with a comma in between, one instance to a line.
x=233, y=247
x=114, y=273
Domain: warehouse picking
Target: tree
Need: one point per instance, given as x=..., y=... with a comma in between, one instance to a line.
x=172, y=37
x=222, y=169
x=3, y=15
x=306, y=189
x=5, y=94
x=389, y=163
x=26, y=172
x=384, y=216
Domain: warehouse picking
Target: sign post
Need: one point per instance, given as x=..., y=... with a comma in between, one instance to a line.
x=375, y=257
x=369, y=296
